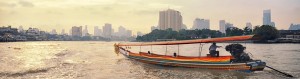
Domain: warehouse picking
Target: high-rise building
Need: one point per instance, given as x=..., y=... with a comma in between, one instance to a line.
x=201, y=24
x=249, y=25
x=97, y=31
x=122, y=31
x=222, y=26
x=85, y=32
x=170, y=19
x=267, y=18
x=77, y=31
x=107, y=30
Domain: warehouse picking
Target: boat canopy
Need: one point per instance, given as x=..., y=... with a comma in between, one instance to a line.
x=209, y=40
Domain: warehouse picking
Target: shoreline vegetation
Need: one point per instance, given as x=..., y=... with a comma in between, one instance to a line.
x=265, y=33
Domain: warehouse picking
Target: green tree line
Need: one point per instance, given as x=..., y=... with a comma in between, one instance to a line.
x=265, y=32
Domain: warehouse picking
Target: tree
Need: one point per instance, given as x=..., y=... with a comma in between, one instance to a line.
x=247, y=31
x=234, y=31
x=179, y=35
x=265, y=33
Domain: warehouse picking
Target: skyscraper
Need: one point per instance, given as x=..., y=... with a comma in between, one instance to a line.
x=201, y=24
x=170, y=19
x=107, y=30
x=77, y=31
x=267, y=18
x=222, y=26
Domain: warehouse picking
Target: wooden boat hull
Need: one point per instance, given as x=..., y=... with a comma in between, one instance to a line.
x=222, y=62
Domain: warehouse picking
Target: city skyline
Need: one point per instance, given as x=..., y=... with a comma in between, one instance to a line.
x=141, y=15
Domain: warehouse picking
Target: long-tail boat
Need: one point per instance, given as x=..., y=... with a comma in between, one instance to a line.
x=238, y=60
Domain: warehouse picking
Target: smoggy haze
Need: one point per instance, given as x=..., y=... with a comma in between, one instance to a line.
x=140, y=15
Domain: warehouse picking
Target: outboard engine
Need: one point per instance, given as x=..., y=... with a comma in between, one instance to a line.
x=256, y=65
x=237, y=51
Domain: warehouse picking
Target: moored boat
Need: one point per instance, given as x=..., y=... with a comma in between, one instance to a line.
x=238, y=60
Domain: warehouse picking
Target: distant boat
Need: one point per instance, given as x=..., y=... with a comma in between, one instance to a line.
x=236, y=61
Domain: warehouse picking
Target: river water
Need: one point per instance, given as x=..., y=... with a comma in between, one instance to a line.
x=97, y=60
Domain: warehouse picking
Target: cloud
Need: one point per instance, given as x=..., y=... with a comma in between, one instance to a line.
x=146, y=12
x=26, y=3
x=3, y=4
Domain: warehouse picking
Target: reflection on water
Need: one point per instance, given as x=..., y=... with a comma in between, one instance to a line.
x=97, y=60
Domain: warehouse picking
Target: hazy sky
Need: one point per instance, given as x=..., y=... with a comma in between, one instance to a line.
x=140, y=15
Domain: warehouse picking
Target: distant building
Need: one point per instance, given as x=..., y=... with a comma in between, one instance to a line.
x=267, y=18
x=53, y=31
x=9, y=34
x=77, y=31
x=222, y=26
x=63, y=32
x=97, y=31
x=201, y=24
x=107, y=30
x=20, y=29
x=8, y=29
x=85, y=32
x=290, y=36
x=33, y=31
x=122, y=31
x=249, y=25
x=294, y=27
x=129, y=33
x=228, y=25
x=170, y=19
